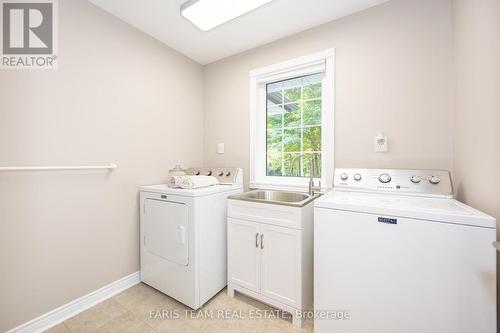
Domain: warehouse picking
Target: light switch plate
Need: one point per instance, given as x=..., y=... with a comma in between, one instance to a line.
x=220, y=148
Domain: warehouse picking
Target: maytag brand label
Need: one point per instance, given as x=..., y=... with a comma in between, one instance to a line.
x=387, y=220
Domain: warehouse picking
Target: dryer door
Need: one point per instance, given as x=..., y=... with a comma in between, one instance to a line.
x=166, y=230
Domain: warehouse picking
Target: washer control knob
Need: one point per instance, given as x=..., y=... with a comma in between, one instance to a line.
x=384, y=178
x=228, y=173
x=415, y=179
x=208, y=173
x=357, y=177
x=434, y=180
x=220, y=173
x=344, y=176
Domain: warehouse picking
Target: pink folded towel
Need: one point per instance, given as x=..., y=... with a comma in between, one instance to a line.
x=190, y=182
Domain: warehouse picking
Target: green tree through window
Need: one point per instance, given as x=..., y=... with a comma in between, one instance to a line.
x=293, y=110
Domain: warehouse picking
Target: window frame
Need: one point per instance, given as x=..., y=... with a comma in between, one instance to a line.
x=321, y=62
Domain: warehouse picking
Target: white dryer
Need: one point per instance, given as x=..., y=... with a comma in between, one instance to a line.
x=395, y=250
x=184, y=237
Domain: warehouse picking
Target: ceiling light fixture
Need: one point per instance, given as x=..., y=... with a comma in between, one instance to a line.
x=208, y=14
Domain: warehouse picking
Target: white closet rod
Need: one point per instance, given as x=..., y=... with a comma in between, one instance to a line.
x=55, y=168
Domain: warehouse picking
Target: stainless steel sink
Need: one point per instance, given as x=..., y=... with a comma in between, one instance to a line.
x=276, y=197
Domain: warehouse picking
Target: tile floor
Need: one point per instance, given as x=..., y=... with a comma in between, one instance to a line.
x=143, y=309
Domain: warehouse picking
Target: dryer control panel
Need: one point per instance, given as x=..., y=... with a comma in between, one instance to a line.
x=228, y=176
x=409, y=182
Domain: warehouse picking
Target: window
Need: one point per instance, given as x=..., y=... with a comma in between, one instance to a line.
x=292, y=120
x=293, y=109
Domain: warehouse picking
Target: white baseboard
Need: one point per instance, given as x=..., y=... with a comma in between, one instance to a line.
x=70, y=309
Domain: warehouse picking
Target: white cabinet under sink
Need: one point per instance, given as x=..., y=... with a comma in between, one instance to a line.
x=244, y=254
x=270, y=254
x=280, y=265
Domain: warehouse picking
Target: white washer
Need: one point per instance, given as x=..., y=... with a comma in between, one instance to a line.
x=184, y=237
x=395, y=250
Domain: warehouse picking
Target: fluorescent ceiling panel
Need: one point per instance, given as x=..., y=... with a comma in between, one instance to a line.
x=208, y=14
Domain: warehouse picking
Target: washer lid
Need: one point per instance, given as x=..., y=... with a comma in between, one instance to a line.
x=164, y=189
x=424, y=208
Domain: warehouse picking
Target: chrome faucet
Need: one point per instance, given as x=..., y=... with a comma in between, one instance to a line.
x=312, y=188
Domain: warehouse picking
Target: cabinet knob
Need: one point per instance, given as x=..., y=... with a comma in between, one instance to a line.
x=257, y=240
x=261, y=241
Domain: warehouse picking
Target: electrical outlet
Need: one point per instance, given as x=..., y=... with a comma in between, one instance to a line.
x=381, y=143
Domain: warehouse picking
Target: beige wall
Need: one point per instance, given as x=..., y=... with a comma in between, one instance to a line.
x=476, y=107
x=476, y=103
x=393, y=73
x=118, y=96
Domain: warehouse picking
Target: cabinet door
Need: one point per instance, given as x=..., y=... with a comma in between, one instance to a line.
x=281, y=264
x=244, y=254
